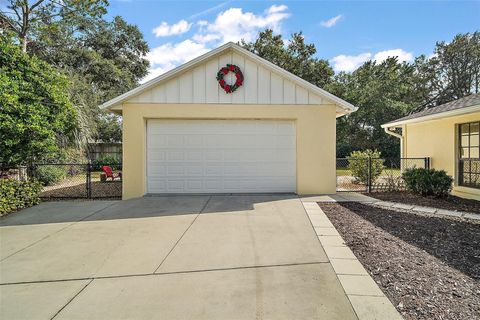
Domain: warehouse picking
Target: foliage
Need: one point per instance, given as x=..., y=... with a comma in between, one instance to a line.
x=36, y=116
x=109, y=129
x=296, y=57
x=383, y=92
x=23, y=17
x=15, y=195
x=358, y=164
x=106, y=160
x=428, y=182
x=452, y=72
x=103, y=60
x=390, y=90
x=50, y=174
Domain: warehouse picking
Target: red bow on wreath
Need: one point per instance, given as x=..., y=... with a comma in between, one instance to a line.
x=229, y=88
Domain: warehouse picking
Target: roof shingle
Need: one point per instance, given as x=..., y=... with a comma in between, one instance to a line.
x=465, y=102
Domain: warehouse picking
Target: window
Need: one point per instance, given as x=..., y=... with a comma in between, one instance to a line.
x=469, y=154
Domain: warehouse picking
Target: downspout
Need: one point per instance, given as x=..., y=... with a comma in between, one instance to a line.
x=396, y=135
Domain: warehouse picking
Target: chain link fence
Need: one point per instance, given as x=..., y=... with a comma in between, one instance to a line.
x=375, y=174
x=71, y=180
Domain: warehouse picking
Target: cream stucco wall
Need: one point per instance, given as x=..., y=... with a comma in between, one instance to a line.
x=315, y=125
x=437, y=139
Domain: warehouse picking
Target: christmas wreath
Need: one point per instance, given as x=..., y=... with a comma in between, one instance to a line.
x=229, y=88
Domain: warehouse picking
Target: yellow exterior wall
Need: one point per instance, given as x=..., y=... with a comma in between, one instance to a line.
x=315, y=125
x=437, y=139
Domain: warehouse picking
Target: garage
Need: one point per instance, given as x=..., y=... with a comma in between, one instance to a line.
x=228, y=121
x=221, y=156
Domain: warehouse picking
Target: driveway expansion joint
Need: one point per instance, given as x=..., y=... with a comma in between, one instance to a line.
x=183, y=234
x=166, y=273
x=56, y=232
x=73, y=298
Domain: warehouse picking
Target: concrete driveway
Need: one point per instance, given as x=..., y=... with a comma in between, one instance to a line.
x=175, y=257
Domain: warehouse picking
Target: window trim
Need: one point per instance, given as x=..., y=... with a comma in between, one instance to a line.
x=461, y=161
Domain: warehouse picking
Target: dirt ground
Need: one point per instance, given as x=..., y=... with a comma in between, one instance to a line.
x=428, y=267
x=107, y=190
x=450, y=203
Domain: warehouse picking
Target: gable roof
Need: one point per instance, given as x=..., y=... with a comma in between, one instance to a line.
x=461, y=106
x=115, y=102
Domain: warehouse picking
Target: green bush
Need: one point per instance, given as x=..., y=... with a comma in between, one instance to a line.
x=15, y=195
x=428, y=182
x=358, y=165
x=49, y=174
x=106, y=160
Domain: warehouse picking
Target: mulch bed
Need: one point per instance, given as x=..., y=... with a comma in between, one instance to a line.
x=100, y=190
x=450, y=203
x=428, y=267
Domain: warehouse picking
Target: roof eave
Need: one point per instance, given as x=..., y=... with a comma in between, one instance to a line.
x=435, y=116
x=347, y=107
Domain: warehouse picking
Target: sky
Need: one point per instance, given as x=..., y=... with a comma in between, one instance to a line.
x=346, y=33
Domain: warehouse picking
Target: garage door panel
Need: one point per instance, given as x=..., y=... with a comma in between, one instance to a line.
x=215, y=156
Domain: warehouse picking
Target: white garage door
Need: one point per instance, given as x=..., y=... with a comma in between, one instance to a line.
x=220, y=156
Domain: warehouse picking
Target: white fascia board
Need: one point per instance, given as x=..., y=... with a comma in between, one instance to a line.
x=346, y=107
x=446, y=114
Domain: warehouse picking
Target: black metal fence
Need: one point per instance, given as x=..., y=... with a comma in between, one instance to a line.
x=375, y=174
x=89, y=181
x=71, y=180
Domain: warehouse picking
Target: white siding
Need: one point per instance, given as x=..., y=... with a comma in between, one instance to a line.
x=199, y=85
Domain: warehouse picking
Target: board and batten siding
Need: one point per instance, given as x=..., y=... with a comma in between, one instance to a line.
x=199, y=85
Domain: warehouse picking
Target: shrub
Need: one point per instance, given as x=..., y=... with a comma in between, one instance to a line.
x=428, y=182
x=49, y=174
x=358, y=165
x=106, y=160
x=15, y=195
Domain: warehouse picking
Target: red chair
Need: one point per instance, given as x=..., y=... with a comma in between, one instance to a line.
x=110, y=174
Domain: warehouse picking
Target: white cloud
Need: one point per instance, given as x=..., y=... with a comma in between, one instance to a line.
x=168, y=56
x=275, y=8
x=350, y=63
x=401, y=54
x=331, y=22
x=230, y=25
x=155, y=72
x=211, y=9
x=165, y=30
x=234, y=24
x=175, y=54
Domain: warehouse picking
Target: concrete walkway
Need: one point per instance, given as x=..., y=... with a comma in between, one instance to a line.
x=368, y=301
x=397, y=206
x=183, y=257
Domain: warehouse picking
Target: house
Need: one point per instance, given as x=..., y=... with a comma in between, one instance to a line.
x=449, y=135
x=228, y=122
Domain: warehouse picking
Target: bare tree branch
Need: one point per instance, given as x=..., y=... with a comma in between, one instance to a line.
x=36, y=4
x=10, y=23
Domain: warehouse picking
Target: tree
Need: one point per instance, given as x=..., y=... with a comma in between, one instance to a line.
x=109, y=129
x=103, y=60
x=296, y=57
x=389, y=90
x=21, y=16
x=453, y=71
x=382, y=92
x=36, y=116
